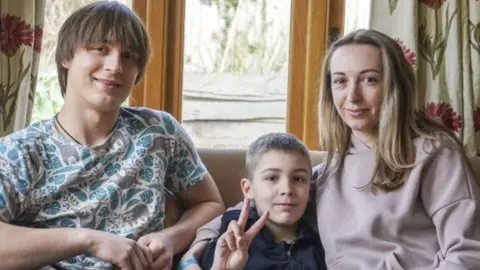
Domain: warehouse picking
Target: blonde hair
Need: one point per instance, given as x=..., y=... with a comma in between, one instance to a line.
x=400, y=122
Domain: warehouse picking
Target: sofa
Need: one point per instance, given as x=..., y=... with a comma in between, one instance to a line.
x=227, y=167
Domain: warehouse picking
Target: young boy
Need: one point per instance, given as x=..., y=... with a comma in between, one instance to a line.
x=278, y=185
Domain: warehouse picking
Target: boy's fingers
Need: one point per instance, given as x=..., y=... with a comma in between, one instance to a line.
x=242, y=219
x=230, y=239
x=238, y=234
x=235, y=228
x=142, y=255
x=257, y=226
x=242, y=243
x=148, y=254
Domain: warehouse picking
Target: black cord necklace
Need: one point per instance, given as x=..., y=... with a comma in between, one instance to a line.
x=73, y=138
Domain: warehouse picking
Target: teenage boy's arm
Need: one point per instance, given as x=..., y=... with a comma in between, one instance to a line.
x=203, y=202
x=27, y=248
x=20, y=247
x=189, y=180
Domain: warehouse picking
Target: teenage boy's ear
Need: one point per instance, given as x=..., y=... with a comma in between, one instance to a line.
x=66, y=64
x=247, y=188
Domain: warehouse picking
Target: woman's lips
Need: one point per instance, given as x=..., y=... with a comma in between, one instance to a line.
x=355, y=112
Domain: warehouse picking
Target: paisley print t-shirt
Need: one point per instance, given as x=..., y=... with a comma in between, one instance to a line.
x=48, y=181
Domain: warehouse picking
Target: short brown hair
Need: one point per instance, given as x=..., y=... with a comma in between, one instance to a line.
x=101, y=22
x=273, y=141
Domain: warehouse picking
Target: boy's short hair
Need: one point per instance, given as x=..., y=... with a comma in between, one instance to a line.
x=98, y=23
x=273, y=141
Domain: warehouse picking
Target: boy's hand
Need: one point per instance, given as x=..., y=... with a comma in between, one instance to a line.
x=231, y=251
x=120, y=251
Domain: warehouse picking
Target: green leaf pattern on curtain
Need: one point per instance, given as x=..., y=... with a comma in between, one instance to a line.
x=393, y=5
x=475, y=39
x=432, y=46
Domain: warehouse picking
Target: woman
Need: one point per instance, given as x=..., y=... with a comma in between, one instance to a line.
x=396, y=191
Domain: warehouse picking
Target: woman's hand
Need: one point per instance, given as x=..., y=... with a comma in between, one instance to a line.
x=231, y=251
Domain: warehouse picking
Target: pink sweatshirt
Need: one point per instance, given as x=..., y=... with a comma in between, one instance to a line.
x=432, y=222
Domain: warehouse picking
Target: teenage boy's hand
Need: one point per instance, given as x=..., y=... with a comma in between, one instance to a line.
x=124, y=253
x=231, y=251
x=161, y=248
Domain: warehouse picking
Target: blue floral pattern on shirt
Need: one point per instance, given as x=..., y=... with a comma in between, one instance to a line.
x=47, y=181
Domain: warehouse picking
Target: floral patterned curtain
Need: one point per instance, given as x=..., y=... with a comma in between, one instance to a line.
x=21, y=31
x=441, y=40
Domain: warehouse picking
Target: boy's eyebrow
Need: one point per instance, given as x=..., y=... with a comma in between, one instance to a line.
x=278, y=170
x=125, y=49
x=271, y=169
x=301, y=170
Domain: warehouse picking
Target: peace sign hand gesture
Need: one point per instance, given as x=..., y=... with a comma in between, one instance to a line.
x=231, y=251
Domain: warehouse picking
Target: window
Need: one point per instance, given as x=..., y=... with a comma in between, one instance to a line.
x=357, y=15
x=162, y=87
x=235, y=74
x=48, y=98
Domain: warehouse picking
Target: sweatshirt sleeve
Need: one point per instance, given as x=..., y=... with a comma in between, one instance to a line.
x=211, y=230
x=450, y=194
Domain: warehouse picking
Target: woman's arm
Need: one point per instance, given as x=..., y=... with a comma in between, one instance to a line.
x=450, y=194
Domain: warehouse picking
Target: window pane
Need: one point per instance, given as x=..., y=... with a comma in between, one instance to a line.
x=357, y=15
x=48, y=99
x=235, y=70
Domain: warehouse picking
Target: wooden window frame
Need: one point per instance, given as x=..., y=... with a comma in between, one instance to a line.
x=313, y=22
x=165, y=22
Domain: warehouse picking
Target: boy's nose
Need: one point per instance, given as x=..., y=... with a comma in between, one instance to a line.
x=287, y=193
x=113, y=62
x=286, y=188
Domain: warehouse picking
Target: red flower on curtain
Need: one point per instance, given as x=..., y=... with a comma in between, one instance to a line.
x=409, y=55
x=37, y=40
x=435, y=4
x=445, y=114
x=14, y=33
